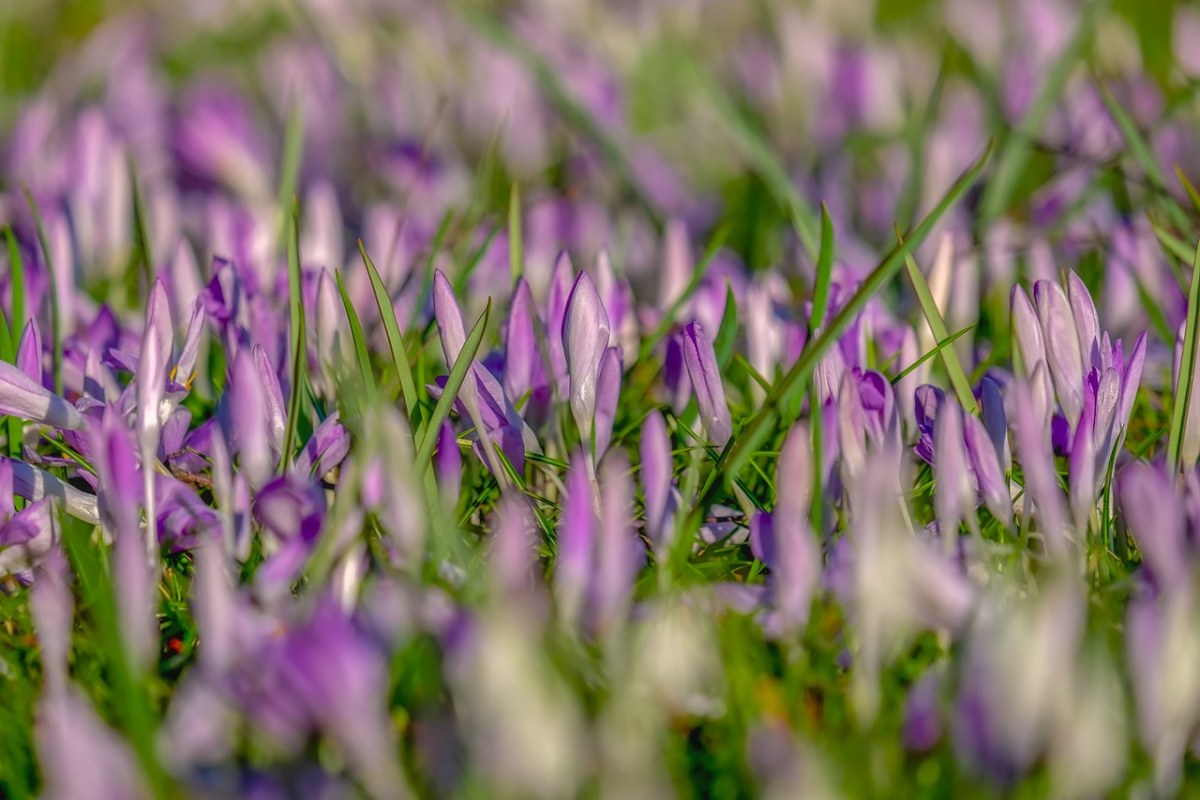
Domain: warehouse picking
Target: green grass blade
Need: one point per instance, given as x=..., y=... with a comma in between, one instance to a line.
x=1187, y=363
x=458, y=374
x=52, y=274
x=933, y=351
x=360, y=341
x=823, y=280
x=954, y=367
x=1015, y=151
x=755, y=432
x=299, y=342
x=516, y=249
x=727, y=333
x=1193, y=195
x=387, y=312
x=141, y=226
x=289, y=173
x=16, y=266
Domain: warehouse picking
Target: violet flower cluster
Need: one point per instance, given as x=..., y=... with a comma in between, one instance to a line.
x=528, y=402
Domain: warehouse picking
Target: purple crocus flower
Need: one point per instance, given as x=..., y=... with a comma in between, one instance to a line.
x=120, y=495
x=784, y=541
x=576, y=542
x=657, y=469
x=608, y=391
x=151, y=378
x=21, y=397
x=619, y=553
x=701, y=361
x=29, y=352
x=954, y=497
x=585, y=336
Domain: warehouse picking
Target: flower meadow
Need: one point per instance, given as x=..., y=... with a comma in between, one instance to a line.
x=584, y=399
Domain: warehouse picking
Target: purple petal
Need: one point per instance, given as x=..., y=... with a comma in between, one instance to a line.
x=608, y=391
x=657, y=469
x=29, y=353
x=705, y=375
x=21, y=397
x=585, y=335
x=575, y=560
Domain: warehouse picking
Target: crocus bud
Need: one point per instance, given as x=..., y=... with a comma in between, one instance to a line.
x=608, y=391
x=953, y=498
x=522, y=361
x=656, y=470
x=619, y=554
x=1062, y=347
x=985, y=462
x=576, y=542
x=21, y=397
x=1027, y=330
x=249, y=413
x=702, y=368
x=1087, y=322
x=29, y=352
x=120, y=497
x=157, y=341
x=585, y=338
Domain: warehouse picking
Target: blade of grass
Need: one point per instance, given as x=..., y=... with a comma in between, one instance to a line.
x=52, y=274
x=299, y=341
x=516, y=250
x=1015, y=151
x=949, y=340
x=1193, y=195
x=727, y=333
x=823, y=280
x=954, y=367
x=289, y=172
x=1183, y=387
x=387, y=312
x=360, y=341
x=16, y=266
x=754, y=432
x=458, y=374
x=140, y=225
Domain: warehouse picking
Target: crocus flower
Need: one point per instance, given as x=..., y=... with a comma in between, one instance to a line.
x=120, y=494
x=705, y=376
x=157, y=341
x=619, y=553
x=21, y=397
x=608, y=391
x=657, y=467
x=585, y=337
x=784, y=541
x=576, y=543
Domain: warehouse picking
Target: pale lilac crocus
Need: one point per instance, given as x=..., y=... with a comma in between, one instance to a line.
x=705, y=375
x=576, y=542
x=157, y=342
x=21, y=397
x=657, y=468
x=585, y=336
